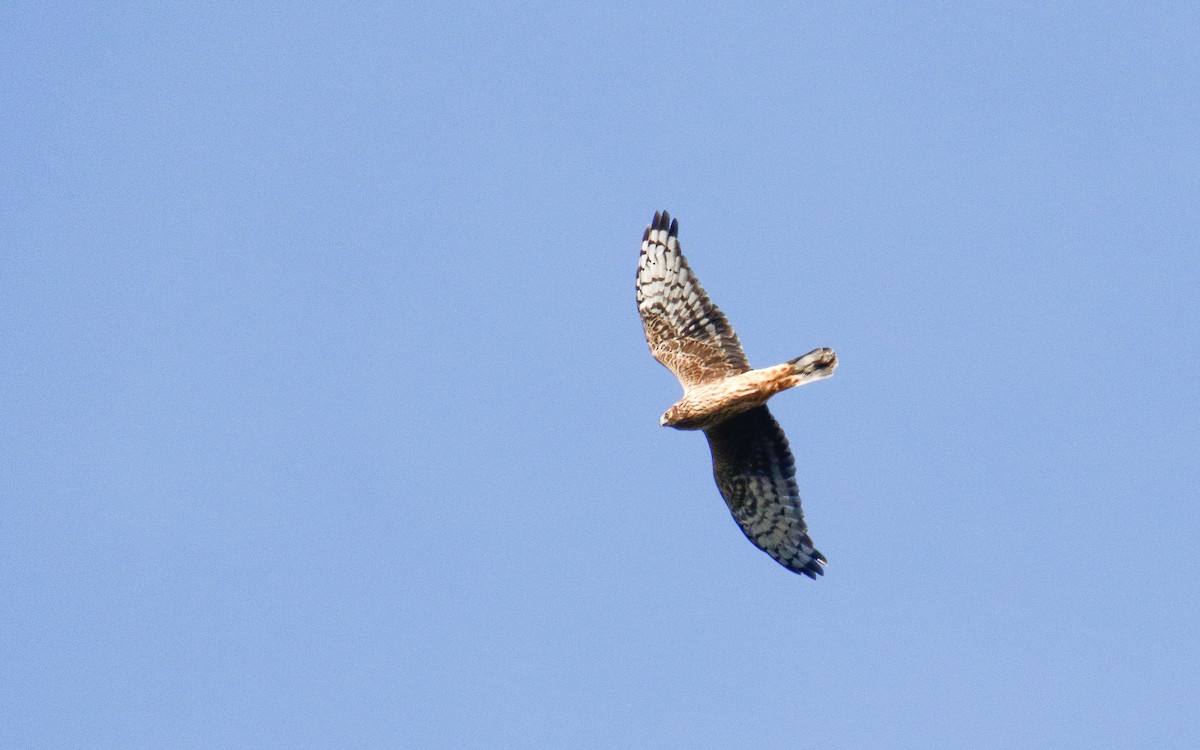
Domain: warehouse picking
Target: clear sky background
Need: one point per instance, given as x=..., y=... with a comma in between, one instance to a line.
x=326, y=417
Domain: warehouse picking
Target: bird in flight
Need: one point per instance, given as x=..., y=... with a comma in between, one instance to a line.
x=724, y=397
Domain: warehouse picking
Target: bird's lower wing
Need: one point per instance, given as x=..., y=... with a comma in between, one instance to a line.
x=756, y=474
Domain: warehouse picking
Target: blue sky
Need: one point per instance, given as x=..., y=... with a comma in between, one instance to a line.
x=328, y=421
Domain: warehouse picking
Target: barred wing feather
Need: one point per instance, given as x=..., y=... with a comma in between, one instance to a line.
x=756, y=474
x=686, y=332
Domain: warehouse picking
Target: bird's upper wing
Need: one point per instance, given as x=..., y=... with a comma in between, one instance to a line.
x=685, y=330
x=756, y=474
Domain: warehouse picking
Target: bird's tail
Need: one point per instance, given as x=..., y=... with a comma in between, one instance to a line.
x=816, y=365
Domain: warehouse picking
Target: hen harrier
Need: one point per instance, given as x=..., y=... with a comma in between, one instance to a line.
x=752, y=463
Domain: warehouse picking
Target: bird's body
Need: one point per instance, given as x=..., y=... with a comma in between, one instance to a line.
x=724, y=397
x=707, y=405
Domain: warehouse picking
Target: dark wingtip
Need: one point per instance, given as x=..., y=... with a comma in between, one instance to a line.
x=814, y=567
x=662, y=220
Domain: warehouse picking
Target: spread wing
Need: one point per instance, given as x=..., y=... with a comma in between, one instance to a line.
x=756, y=474
x=685, y=330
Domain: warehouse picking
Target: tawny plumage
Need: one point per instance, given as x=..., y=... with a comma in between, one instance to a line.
x=722, y=396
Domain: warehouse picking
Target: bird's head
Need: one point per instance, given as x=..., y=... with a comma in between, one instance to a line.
x=674, y=418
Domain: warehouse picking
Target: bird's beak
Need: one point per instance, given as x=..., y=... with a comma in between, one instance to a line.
x=662, y=421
